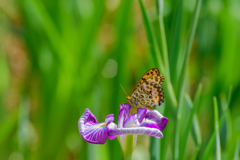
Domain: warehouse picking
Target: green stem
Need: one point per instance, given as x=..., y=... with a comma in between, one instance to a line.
x=129, y=147
x=128, y=156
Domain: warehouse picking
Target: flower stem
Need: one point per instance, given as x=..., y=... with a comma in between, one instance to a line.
x=128, y=156
x=129, y=147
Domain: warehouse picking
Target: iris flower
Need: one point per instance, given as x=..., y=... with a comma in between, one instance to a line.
x=129, y=125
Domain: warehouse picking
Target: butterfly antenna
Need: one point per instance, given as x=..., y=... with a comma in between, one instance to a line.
x=120, y=92
x=123, y=89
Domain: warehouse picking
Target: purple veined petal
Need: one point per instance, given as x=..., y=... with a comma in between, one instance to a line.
x=112, y=126
x=153, y=114
x=131, y=121
x=141, y=112
x=124, y=105
x=123, y=114
x=154, y=118
x=163, y=123
x=109, y=119
x=136, y=131
x=150, y=124
x=88, y=117
x=127, y=107
x=90, y=130
x=121, y=106
x=121, y=117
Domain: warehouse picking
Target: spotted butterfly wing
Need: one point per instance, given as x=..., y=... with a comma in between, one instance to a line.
x=153, y=75
x=148, y=92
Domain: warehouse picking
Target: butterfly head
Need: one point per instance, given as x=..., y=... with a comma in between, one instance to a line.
x=129, y=99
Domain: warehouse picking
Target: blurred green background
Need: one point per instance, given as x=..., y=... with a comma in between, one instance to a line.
x=59, y=57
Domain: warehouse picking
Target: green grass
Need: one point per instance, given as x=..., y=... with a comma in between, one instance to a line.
x=52, y=54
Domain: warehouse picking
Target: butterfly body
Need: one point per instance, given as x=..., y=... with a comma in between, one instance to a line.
x=148, y=92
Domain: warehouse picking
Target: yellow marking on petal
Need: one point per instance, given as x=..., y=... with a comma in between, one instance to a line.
x=100, y=125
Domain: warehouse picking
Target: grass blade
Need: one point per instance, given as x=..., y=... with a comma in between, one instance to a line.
x=167, y=136
x=156, y=52
x=196, y=134
x=175, y=42
x=164, y=50
x=195, y=154
x=210, y=144
x=189, y=46
x=163, y=47
x=172, y=96
x=182, y=80
x=229, y=95
x=152, y=148
x=189, y=122
x=37, y=11
x=218, y=146
x=236, y=150
x=151, y=38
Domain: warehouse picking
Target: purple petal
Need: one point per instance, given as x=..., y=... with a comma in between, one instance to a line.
x=124, y=105
x=88, y=117
x=136, y=131
x=131, y=122
x=141, y=112
x=121, y=106
x=163, y=123
x=150, y=124
x=90, y=130
x=153, y=114
x=111, y=137
x=111, y=126
x=154, y=118
x=109, y=119
x=121, y=117
x=127, y=107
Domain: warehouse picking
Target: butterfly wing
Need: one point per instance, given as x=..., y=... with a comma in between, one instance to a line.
x=148, y=94
x=153, y=75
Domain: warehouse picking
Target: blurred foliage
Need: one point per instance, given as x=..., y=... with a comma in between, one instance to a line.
x=59, y=57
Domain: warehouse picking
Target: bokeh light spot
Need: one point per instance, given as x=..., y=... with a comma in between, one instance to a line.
x=110, y=69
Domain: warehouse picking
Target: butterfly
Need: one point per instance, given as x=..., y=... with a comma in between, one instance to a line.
x=148, y=92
